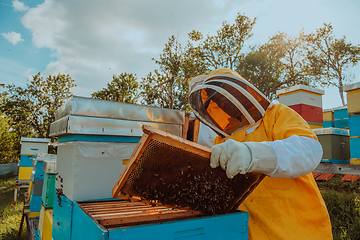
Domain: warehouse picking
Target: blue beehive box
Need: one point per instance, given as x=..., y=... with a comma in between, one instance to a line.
x=100, y=220
x=355, y=147
x=327, y=124
x=227, y=226
x=341, y=117
x=354, y=125
x=26, y=160
x=62, y=218
x=35, y=203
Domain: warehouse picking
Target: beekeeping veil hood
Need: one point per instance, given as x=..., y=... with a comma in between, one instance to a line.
x=225, y=101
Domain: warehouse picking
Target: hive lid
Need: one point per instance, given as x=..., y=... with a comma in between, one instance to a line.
x=300, y=87
x=35, y=140
x=173, y=171
x=83, y=125
x=351, y=87
x=91, y=107
x=331, y=130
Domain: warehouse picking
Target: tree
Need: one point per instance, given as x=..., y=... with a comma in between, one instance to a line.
x=329, y=58
x=8, y=142
x=168, y=86
x=262, y=67
x=223, y=50
x=123, y=88
x=276, y=64
x=31, y=110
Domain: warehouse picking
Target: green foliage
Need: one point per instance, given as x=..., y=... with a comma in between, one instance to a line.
x=123, y=88
x=279, y=63
x=223, y=50
x=168, y=86
x=262, y=67
x=329, y=58
x=31, y=110
x=344, y=211
x=7, y=143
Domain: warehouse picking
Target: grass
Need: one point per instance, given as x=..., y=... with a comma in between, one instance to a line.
x=342, y=201
x=10, y=219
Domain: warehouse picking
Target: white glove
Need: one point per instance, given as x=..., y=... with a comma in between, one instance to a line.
x=237, y=157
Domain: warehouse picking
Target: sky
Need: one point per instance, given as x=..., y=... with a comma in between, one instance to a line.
x=91, y=40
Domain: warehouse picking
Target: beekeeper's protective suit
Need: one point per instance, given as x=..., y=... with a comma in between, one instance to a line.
x=255, y=135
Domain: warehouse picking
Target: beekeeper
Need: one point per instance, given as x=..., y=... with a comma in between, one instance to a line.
x=255, y=135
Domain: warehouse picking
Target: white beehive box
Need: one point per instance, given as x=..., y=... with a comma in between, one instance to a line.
x=34, y=145
x=96, y=137
x=301, y=94
x=88, y=170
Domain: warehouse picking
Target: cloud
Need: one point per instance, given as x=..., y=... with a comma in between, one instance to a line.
x=92, y=40
x=13, y=37
x=19, y=6
x=96, y=40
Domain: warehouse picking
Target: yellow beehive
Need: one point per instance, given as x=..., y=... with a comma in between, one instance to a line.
x=47, y=228
x=45, y=223
x=355, y=161
x=353, y=98
x=328, y=115
x=25, y=173
x=315, y=126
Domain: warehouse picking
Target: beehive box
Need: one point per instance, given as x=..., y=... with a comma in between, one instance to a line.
x=301, y=94
x=47, y=197
x=33, y=146
x=335, y=143
x=62, y=217
x=45, y=223
x=25, y=173
x=355, y=147
x=353, y=98
x=26, y=160
x=88, y=170
x=328, y=118
x=354, y=126
x=341, y=117
x=119, y=219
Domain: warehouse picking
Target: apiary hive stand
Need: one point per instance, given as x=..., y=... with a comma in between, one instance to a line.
x=173, y=171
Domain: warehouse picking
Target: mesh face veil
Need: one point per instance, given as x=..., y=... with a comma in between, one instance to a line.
x=225, y=102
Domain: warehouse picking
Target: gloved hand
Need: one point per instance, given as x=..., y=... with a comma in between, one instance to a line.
x=242, y=157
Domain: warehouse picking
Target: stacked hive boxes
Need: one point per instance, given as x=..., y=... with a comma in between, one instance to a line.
x=353, y=107
x=29, y=148
x=47, y=198
x=96, y=138
x=37, y=180
x=335, y=143
x=306, y=101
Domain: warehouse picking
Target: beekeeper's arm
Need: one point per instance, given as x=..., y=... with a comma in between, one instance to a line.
x=296, y=153
x=289, y=158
